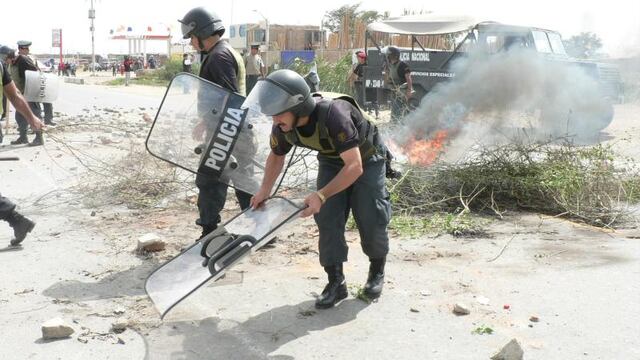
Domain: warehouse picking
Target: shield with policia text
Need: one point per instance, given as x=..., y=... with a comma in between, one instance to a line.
x=202, y=128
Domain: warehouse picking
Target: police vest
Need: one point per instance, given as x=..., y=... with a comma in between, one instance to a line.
x=240, y=75
x=320, y=139
x=1, y=87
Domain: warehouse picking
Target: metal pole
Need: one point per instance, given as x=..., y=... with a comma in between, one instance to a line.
x=92, y=16
x=61, y=58
x=266, y=37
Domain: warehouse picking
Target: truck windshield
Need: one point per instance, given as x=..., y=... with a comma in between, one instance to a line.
x=542, y=42
x=556, y=44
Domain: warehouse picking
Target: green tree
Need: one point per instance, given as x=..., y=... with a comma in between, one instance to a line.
x=583, y=46
x=336, y=17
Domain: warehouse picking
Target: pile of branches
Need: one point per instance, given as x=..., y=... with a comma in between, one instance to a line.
x=587, y=184
x=136, y=180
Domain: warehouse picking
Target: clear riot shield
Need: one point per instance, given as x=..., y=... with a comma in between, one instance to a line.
x=209, y=258
x=201, y=127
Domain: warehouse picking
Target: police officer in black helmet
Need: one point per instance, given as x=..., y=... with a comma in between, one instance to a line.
x=351, y=173
x=224, y=66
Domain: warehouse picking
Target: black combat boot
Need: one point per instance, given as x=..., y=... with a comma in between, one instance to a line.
x=21, y=226
x=22, y=139
x=375, y=280
x=206, y=229
x=38, y=140
x=335, y=290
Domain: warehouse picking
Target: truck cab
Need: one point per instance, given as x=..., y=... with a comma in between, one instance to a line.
x=430, y=44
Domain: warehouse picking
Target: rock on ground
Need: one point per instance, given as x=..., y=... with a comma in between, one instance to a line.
x=511, y=351
x=56, y=329
x=461, y=309
x=151, y=243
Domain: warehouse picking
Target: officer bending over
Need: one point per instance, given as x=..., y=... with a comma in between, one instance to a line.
x=351, y=174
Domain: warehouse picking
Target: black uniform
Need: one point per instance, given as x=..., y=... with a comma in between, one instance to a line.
x=220, y=67
x=6, y=206
x=23, y=64
x=6, y=80
x=367, y=197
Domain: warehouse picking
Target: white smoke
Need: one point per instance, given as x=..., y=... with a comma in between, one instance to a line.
x=507, y=90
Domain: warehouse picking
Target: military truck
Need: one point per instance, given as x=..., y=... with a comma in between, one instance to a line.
x=433, y=43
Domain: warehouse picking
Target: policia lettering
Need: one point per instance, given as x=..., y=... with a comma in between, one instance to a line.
x=222, y=142
x=369, y=143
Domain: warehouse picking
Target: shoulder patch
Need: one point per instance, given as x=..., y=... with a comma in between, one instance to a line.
x=342, y=137
x=273, y=141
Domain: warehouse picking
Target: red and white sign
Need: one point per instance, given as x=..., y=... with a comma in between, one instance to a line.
x=56, y=37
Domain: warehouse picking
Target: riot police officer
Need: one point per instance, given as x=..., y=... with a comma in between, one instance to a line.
x=351, y=173
x=224, y=66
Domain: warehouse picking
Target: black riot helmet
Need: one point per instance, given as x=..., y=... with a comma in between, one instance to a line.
x=281, y=91
x=393, y=52
x=202, y=23
x=6, y=52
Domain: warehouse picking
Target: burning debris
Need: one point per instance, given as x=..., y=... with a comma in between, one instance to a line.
x=488, y=89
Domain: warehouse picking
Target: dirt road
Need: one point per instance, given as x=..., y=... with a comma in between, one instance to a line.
x=80, y=264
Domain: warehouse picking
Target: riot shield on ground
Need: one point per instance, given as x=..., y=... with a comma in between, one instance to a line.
x=201, y=127
x=210, y=257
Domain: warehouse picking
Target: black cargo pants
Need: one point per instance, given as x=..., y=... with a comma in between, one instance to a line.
x=367, y=199
x=6, y=207
x=23, y=124
x=211, y=198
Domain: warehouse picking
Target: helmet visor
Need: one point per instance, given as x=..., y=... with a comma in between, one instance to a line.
x=270, y=99
x=187, y=29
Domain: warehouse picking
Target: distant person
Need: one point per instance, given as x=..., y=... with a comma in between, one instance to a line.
x=23, y=49
x=398, y=79
x=255, y=67
x=114, y=68
x=355, y=77
x=18, y=65
x=152, y=62
x=186, y=63
x=128, y=64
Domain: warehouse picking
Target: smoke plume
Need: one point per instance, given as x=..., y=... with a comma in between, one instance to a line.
x=493, y=92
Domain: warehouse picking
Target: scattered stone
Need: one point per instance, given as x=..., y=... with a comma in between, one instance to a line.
x=147, y=118
x=56, y=329
x=93, y=213
x=119, y=310
x=511, y=351
x=506, y=306
x=25, y=291
x=414, y=310
x=425, y=293
x=150, y=242
x=461, y=309
x=120, y=325
x=105, y=140
x=482, y=300
x=534, y=318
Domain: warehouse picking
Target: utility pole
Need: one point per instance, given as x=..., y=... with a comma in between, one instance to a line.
x=92, y=16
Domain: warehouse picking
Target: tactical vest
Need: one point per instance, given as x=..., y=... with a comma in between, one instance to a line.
x=1, y=87
x=320, y=139
x=240, y=70
x=395, y=77
x=15, y=76
x=241, y=73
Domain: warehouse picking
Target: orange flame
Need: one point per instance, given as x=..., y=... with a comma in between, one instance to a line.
x=425, y=152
